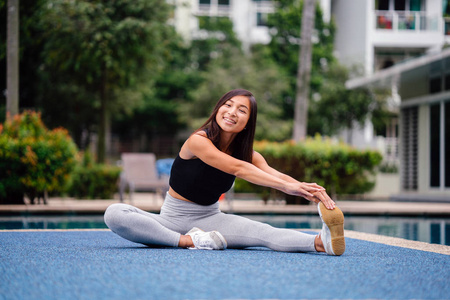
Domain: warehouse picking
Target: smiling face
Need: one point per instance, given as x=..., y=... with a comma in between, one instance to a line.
x=233, y=115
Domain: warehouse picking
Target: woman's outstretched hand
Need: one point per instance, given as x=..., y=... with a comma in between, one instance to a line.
x=313, y=192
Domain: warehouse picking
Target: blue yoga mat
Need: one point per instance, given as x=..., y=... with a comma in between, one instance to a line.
x=101, y=265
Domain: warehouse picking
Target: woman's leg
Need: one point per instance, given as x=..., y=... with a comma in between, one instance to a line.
x=241, y=232
x=139, y=226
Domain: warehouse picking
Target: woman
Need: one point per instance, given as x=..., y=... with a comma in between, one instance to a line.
x=205, y=168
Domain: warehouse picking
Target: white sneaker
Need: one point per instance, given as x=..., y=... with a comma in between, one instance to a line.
x=211, y=240
x=332, y=233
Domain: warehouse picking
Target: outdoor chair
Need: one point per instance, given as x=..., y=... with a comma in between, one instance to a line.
x=139, y=173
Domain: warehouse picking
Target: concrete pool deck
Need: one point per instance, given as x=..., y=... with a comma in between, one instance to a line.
x=152, y=202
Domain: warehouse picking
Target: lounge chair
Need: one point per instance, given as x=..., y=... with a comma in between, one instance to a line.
x=139, y=173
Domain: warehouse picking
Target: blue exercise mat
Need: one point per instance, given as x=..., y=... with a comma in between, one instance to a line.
x=101, y=265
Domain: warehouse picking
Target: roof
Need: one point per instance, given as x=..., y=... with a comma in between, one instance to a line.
x=384, y=76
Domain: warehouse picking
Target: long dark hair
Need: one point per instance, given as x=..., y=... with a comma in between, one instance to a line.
x=242, y=145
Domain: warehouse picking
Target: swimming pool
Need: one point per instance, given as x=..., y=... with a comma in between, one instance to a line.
x=430, y=230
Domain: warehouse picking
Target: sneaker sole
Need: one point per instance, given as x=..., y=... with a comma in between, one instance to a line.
x=335, y=222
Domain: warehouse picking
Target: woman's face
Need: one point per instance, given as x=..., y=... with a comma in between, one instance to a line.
x=233, y=115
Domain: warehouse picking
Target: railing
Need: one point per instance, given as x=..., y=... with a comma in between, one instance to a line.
x=213, y=10
x=412, y=21
x=391, y=149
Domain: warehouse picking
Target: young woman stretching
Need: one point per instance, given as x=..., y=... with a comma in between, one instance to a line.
x=206, y=166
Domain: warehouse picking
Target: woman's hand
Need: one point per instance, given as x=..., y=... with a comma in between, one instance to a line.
x=312, y=192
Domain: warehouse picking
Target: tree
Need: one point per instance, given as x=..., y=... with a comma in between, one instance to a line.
x=30, y=46
x=12, y=101
x=157, y=114
x=224, y=66
x=338, y=108
x=264, y=80
x=304, y=72
x=103, y=47
x=284, y=26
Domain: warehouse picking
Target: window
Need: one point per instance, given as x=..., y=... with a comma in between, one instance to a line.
x=435, y=85
x=382, y=5
x=400, y=4
x=261, y=19
x=224, y=2
x=415, y=5
x=447, y=144
x=205, y=1
x=435, y=145
x=435, y=82
x=440, y=145
x=410, y=148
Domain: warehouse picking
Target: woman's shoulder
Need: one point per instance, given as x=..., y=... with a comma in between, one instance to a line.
x=195, y=141
x=202, y=133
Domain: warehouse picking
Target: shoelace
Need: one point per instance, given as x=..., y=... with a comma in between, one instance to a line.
x=201, y=242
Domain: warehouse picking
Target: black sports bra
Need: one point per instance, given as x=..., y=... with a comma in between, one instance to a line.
x=199, y=182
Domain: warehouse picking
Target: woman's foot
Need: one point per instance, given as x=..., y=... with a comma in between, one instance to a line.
x=211, y=240
x=332, y=234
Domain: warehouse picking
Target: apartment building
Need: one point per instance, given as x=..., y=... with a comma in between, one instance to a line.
x=375, y=34
x=422, y=83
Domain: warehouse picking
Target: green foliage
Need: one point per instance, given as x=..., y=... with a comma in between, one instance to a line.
x=266, y=81
x=94, y=50
x=338, y=167
x=285, y=28
x=157, y=112
x=33, y=159
x=388, y=167
x=338, y=107
x=30, y=46
x=94, y=181
x=216, y=39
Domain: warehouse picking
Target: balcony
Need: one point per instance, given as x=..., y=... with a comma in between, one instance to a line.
x=213, y=10
x=402, y=29
x=406, y=21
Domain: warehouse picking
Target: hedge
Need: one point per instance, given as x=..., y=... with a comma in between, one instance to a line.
x=338, y=167
x=94, y=181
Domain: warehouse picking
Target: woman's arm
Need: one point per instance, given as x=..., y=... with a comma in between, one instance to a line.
x=318, y=196
x=201, y=147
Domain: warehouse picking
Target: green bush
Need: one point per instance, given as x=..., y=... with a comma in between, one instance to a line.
x=33, y=159
x=94, y=181
x=339, y=168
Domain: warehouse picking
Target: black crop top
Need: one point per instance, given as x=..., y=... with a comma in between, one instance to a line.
x=199, y=182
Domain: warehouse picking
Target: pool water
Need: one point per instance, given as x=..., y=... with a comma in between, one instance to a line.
x=430, y=230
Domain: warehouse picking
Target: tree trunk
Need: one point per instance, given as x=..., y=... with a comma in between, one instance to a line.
x=101, y=142
x=304, y=72
x=12, y=60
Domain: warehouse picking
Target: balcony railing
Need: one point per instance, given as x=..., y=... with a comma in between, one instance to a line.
x=411, y=21
x=213, y=10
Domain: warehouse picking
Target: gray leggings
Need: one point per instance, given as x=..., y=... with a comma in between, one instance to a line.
x=178, y=217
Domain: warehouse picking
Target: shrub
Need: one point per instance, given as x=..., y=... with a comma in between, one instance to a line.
x=33, y=159
x=94, y=181
x=339, y=168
